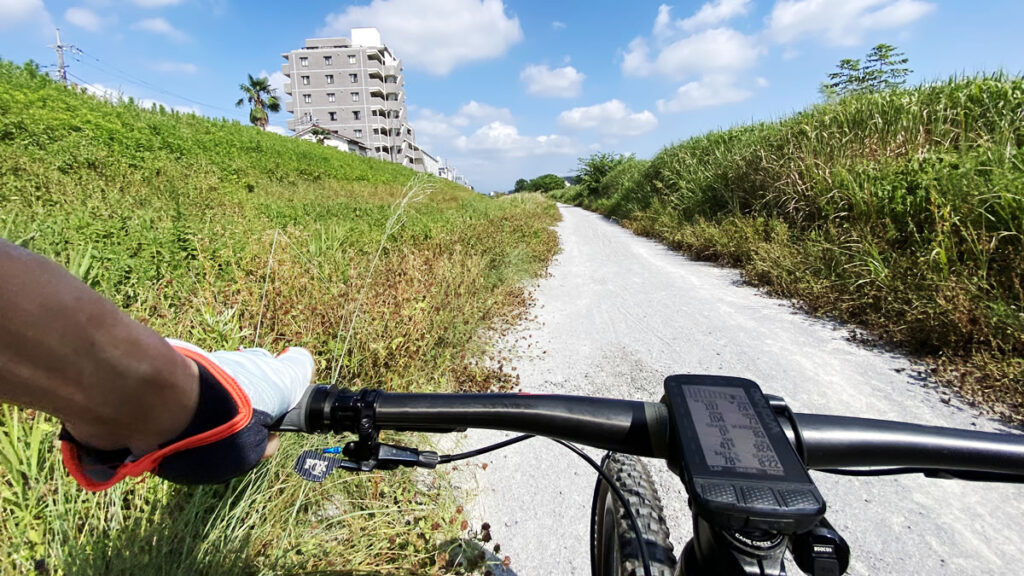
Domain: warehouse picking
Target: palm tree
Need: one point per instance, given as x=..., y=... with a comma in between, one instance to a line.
x=320, y=134
x=261, y=97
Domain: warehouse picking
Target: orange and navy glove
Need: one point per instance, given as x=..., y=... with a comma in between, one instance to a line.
x=240, y=394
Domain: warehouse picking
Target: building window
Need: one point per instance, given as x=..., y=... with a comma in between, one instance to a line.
x=353, y=78
x=307, y=98
x=330, y=96
x=330, y=78
x=305, y=80
x=359, y=133
x=333, y=116
x=303, y=61
x=355, y=115
x=355, y=96
x=351, y=58
x=327, y=60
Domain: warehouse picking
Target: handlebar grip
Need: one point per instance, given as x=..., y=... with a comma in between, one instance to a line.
x=298, y=418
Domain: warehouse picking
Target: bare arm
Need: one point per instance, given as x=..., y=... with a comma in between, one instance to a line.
x=67, y=351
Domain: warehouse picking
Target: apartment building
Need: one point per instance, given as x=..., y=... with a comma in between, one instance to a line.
x=353, y=87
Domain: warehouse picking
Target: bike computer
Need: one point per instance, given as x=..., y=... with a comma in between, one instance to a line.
x=737, y=465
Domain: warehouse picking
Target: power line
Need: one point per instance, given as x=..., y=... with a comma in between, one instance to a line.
x=97, y=90
x=126, y=77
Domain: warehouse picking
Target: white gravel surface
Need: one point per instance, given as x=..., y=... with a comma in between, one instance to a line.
x=618, y=313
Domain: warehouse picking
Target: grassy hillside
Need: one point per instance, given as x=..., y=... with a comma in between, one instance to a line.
x=900, y=211
x=222, y=235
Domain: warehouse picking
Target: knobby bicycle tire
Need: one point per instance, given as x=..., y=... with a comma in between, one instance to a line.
x=613, y=545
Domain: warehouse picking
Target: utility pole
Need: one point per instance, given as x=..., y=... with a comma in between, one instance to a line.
x=62, y=74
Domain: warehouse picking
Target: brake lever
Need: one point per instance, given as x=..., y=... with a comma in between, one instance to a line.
x=316, y=465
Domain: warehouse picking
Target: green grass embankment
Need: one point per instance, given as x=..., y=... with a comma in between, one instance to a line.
x=174, y=218
x=902, y=212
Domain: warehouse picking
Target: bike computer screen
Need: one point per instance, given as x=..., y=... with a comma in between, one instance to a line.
x=734, y=458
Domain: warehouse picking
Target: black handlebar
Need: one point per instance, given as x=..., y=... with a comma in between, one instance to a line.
x=641, y=428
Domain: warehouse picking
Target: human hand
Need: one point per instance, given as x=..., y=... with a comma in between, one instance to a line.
x=240, y=394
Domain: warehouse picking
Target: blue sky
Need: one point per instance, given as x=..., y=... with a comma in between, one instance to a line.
x=520, y=88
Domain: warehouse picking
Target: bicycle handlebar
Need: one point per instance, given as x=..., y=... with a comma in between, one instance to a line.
x=641, y=428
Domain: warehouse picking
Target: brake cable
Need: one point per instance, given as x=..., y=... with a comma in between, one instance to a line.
x=593, y=464
x=462, y=456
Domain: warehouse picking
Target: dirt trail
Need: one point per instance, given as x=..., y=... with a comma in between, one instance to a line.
x=619, y=313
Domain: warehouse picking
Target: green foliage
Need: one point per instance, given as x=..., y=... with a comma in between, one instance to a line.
x=544, y=183
x=261, y=98
x=594, y=168
x=849, y=78
x=898, y=210
x=320, y=134
x=173, y=217
x=884, y=69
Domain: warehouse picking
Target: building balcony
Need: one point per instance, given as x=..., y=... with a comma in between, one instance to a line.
x=286, y=69
x=289, y=106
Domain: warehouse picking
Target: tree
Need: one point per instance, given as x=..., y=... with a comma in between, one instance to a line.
x=849, y=78
x=591, y=171
x=546, y=183
x=520, y=185
x=261, y=97
x=884, y=69
x=320, y=134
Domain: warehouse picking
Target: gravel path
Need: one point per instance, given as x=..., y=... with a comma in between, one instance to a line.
x=618, y=313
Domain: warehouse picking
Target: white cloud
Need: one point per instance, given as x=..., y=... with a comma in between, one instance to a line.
x=762, y=82
x=103, y=93
x=712, y=51
x=172, y=67
x=277, y=81
x=437, y=36
x=714, y=13
x=565, y=82
x=613, y=118
x=504, y=140
x=432, y=127
x=558, y=25
x=710, y=61
x=438, y=131
x=13, y=12
x=279, y=130
x=111, y=95
x=476, y=113
x=704, y=93
x=148, y=103
x=662, y=30
x=709, y=15
x=84, y=18
x=155, y=3
x=160, y=26
x=840, y=22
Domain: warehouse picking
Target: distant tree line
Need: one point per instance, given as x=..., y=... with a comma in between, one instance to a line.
x=545, y=183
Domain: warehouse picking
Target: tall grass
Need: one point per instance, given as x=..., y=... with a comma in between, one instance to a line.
x=902, y=211
x=174, y=218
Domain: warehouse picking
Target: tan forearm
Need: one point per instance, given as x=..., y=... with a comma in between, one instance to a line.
x=66, y=350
